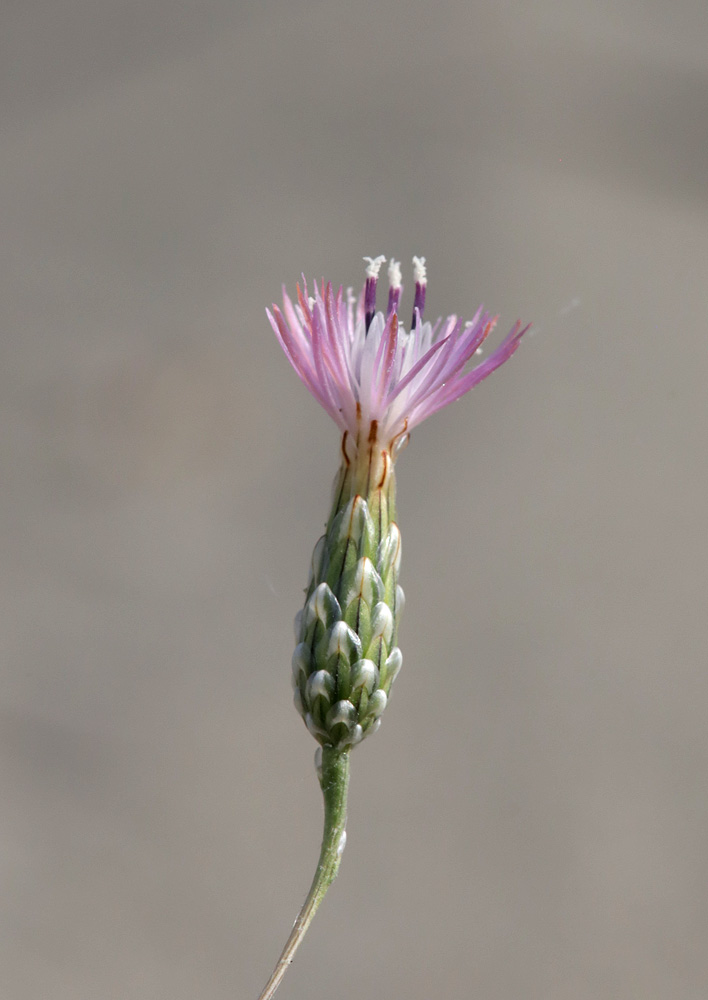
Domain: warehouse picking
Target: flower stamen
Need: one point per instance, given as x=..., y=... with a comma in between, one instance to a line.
x=394, y=287
x=372, y=280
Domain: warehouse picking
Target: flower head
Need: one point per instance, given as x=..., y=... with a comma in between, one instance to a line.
x=366, y=370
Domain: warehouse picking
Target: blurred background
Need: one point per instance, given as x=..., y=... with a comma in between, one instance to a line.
x=532, y=819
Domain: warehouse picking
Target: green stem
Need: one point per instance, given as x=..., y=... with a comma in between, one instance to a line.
x=335, y=783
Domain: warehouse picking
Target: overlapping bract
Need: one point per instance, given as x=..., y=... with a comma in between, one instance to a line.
x=346, y=657
x=384, y=373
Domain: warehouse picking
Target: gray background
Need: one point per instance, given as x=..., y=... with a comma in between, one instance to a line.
x=532, y=819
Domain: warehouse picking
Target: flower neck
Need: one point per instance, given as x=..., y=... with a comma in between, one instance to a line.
x=367, y=466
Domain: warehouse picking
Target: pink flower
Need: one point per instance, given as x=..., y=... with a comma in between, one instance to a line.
x=366, y=370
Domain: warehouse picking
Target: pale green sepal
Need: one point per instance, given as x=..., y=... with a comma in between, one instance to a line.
x=391, y=668
x=343, y=640
x=400, y=600
x=357, y=734
x=302, y=661
x=326, y=606
x=364, y=675
x=342, y=712
x=388, y=556
x=320, y=684
x=317, y=731
x=355, y=523
x=362, y=581
x=382, y=622
x=377, y=703
x=317, y=560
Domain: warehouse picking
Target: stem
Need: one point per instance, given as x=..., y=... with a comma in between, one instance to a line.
x=335, y=783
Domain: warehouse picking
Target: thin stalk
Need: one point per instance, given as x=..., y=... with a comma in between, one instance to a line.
x=335, y=784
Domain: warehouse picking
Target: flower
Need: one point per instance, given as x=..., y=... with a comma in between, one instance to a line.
x=366, y=370
x=377, y=381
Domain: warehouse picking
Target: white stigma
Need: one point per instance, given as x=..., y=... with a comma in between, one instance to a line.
x=394, y=274
x=374, y=266
x=419, y=270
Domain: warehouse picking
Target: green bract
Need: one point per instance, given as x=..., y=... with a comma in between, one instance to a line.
x=346, y=658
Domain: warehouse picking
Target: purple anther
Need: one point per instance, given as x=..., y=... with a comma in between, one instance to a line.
x=372, y=280
x=394, y=287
